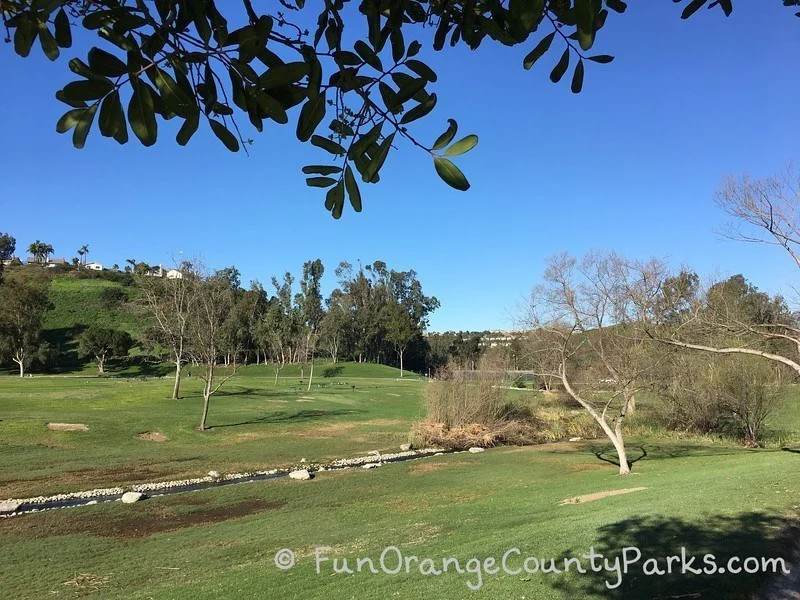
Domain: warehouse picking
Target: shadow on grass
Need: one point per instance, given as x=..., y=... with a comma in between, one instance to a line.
x=792, y=450
x=301, y=416
x=331, y=372
x=613, y=459
x=746, y=535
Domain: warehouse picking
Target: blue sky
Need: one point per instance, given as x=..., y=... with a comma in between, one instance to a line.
x=631, y=163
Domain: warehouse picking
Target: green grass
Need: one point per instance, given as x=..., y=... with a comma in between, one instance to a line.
x=707, y=495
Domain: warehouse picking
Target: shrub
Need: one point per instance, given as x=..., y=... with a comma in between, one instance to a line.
x=112, y=297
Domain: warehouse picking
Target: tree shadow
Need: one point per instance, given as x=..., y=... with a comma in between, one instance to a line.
x=331, y=372
x=792, y=450
x=300, y=416
x=746, y=535
x=613, y=459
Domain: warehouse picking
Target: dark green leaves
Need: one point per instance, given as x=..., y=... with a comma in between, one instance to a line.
x=112, y=116
x=692, y=8
x=224, y=135
x=368, y=55
x=24, y=35
x=327, y=145
x=311, y=116
x=561, y=67
x=447, y=136
x=80, y=120
x=584, y=15
x=450, y=174
x=421, y=69
x=577, y=78
x=322, y=182
x=48, y=42
x=352, y=189
x=63, y=33
x=90, y=89
x=334, y=199
x=617, y=6
x=282, y=75
x=141, y=114
x=106, y=64
x=321, y=170
x=603, y=59
x=542, y=47
x=187, y=129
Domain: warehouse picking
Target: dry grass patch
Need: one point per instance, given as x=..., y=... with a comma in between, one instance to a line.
x=151, y=436
x=599, y=496
x=68, y=427
x=429, y=467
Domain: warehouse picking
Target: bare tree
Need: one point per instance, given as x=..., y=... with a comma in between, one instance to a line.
x=214, y=300
x=763, y=211
x=587, y=311
x=170, y=303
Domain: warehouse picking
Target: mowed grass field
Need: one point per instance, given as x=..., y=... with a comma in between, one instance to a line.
x=708, y=496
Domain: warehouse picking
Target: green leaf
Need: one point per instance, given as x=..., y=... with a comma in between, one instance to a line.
x=414, y=48
x=89, y=89
x=727, y=6
x=542, y=47
x=462, y=146
x=173, y=95
x=48, y=42
x=584, y=15
x=692, y=8
x=398, y=45
x=141, y=114
x=577, y=78
x=421, y=69
x=225, y=136
x=603, y=59
x=420, y=110
x=69, y=119
x=327, y=145
x=377, y=161
x=274, y=108
x=311, y=116
x=617, y=5
x=450, y=174
x=320, y=182
x=447, y=136
x=73, y=103
x=104, y=63
x=188, y=128
x=283, y=75
x=321, y=169
x=82, y=127
x=111, y=117
x=561, y=67
x=352, y=189
x=24, y=36
x=368, y=55
x=334, y=199
x=62, y=29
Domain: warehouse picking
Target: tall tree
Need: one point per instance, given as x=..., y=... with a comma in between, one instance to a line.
x=587, y=308
x=214, y=301
x=362, y=66
x=309, y=304
x=400, y=328
x=170, y=303
x=24, y=301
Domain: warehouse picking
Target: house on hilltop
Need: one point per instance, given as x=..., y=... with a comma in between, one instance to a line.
x=94, y=266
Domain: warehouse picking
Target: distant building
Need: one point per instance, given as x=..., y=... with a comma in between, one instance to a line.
x=50, y=262
x=174, y=274
x=155, y=271
x=94, y=266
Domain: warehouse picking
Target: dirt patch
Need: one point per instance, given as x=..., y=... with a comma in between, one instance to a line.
x=429, y=467
x=68, y=426
x=599, y=495
x=305, y=400
x=133, y=525
x=151, y=436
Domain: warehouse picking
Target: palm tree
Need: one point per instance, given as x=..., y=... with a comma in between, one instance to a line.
x=41, y=251
x=82, y=252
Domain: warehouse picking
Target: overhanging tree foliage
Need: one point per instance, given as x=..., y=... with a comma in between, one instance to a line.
x=356, y=76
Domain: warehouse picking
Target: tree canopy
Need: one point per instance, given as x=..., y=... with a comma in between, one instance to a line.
x=355, y=72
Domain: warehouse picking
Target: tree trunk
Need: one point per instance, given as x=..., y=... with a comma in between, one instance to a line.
x=401, y=352
x=310, y=377
x=21, y=364
x=176, y=389
x=615, y=435
x=207, y=395
x=101, y=361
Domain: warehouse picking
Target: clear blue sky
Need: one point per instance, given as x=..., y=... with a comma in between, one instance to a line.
x=630, y=164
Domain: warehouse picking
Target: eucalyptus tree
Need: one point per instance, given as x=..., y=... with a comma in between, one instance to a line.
x=358, y=71
x=104, y=343
x=310, y=309
x=8, y=244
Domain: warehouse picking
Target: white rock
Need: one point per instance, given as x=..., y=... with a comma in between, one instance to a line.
x=302, y=460
x=370, y=466
x=405, y=447
x=214, y=474
x=302, y=474
x=476, y=449
x=91, y=502
x=9, y=506
x=575, y=439
x=131, y=497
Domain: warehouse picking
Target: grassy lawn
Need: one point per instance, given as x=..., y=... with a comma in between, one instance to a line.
x=709, y=496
